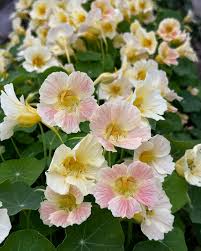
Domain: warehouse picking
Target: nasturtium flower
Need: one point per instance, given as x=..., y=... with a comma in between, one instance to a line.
x=124, y=189
x=156, y=154
x=158, y=220
x=118, y=123
x=167, y=55
x=5, y=224
x=38, y=58
x=17, y=113
x=189, y=166
x=78, y=166
x=186, y=50
x=64, y=210
x=41, y=9
x=65, y=101
x=148, y=100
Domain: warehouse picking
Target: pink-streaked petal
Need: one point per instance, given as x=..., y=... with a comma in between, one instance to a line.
x=87, y=108
x=50, y=195
x=80, y=214
x=147, y=193
x=54, y=84
x=45, y=210
x=109, y=175
x=68, y=122
x=103, y=194
x=47, y=113
x=60, y=219
x=81, y=84
x=140, y=171
x=77, y=193
x=124, y=207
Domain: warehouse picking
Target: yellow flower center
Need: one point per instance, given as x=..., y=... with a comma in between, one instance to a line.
x=115, y=90
x=69, y=100
x=142, y=5
x=169, y=28
x=107, y=27
x=73, y=166
x=131, y=55
x=147, y=43
x=138, y=102
x=81, y=17
x=114, y=131
x=38, y=61
x=141, y=75
x=62, y=17
x=147, y=157
x=125, y=186
x=67, y=202
x=42, y=8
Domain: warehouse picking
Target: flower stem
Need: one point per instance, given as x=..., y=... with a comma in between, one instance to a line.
x=15, y=147
x=44, y=142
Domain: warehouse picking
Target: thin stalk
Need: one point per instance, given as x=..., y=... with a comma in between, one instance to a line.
x=16, y=148
x=44, y=142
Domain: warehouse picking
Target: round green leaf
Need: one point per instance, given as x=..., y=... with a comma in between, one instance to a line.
x=151, y=246
x=19, y=196
x=26, y=170
x=176, y=189
x=27, y=240
x=100, y=232
x=175, y=240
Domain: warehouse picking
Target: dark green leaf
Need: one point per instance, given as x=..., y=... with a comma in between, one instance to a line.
x=175, y=240
x=151, y=246
x=88, y=56
x=195, y=206
x=100, y=232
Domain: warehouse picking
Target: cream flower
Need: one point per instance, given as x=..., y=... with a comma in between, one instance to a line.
x=156, y=153
x=158, y=220
x=38, y=58
x=118, y=123
x=16, y=111
x=41, y=9
x=186, y=50
x=65, y=101
x=189, y=166
x=149, y=100
x=120, y=87
x=147, y=40
x=22, y=5
x=5, y=224
x=59, y=16
x=145, y=6
x=78, y=167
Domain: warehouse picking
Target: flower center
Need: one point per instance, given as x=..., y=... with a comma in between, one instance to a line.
x=141, y=75
x=138, y=102
x=81, y=17
x=107, y=27
x=69, y=100
x=62, y=17
x=147, y=42
x=42, y=9
x=67, y=202
x=114, y=131
x=73, y=166
x=38, y=61
x=125, y=186
x=115, y=90
x=169, y=28
x=147, y=157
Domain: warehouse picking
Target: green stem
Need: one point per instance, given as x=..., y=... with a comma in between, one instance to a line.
x=44, y=142
x=109, y=159
x=121, y=155
x=2, y=158
x=129, y=234
x=57, y=134
x=15, y=147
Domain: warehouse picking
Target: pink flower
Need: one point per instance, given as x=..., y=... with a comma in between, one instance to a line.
x=119, y=123
x=64, y=210
x=124, y=190
x=65, y=101
x=167, y=55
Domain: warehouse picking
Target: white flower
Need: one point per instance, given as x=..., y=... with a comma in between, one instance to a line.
x=156, y=153
x=186, y=50
x=157, y=221
x=16, y=111
x=149, y=100
x=78, y=167
x=38, y=58
x=5, y=224
x=189, y=166
x=41, y=9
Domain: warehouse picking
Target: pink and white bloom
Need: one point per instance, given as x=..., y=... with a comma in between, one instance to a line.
x=78, y=166
x=156, y=154
x=170, y=29
x=17, y=113
x=167, y=55
x=65, y=101
x=157, y=221
x=119, y=123
x=64, y=210
x=124, y=189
